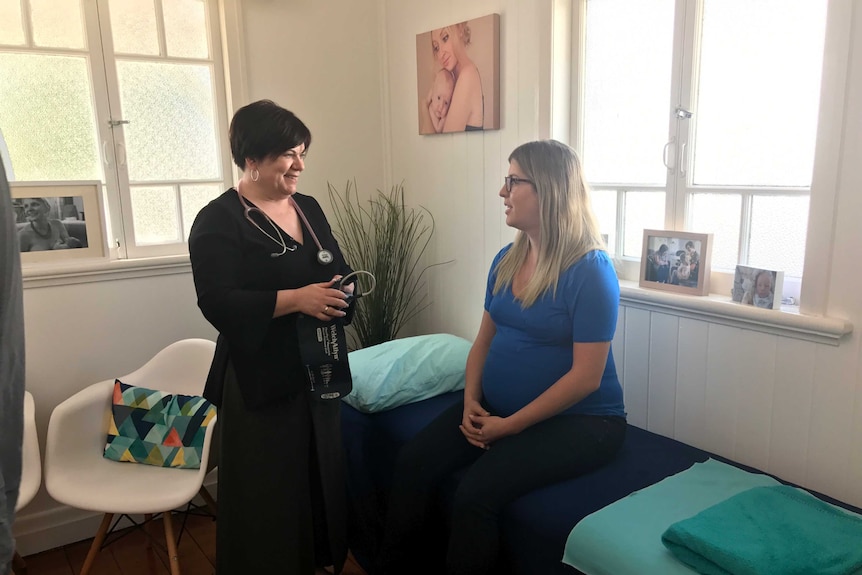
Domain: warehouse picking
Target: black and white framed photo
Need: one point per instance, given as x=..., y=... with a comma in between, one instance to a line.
x=676, y=261
x=758, y=287
x=58, y=221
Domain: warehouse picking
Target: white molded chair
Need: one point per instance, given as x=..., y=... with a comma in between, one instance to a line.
x=31, y=469
x=77, y=474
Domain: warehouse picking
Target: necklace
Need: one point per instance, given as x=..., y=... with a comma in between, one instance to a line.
x=40, y=234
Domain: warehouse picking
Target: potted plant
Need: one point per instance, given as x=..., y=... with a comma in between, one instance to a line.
x=388, y=239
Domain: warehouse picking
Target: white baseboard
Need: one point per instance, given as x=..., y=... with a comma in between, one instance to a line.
x=62, y=525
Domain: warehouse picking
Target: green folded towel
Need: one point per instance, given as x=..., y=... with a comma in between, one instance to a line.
x=777, y=530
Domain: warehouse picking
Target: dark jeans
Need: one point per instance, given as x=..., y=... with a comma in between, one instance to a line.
x=554, y=450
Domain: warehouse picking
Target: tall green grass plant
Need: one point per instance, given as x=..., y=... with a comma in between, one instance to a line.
x=388, y=239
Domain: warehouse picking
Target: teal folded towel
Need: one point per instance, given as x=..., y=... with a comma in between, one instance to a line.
x=776, y=530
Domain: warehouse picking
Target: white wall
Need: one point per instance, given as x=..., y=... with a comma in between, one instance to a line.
x=320, y=60
x=457, y=176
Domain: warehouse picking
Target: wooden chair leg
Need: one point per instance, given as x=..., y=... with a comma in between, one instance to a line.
x=208, y=499
x=97, y=543
x=172, y=544
x=19, y=566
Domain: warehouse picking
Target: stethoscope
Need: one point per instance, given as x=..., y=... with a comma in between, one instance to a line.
x=324, y=256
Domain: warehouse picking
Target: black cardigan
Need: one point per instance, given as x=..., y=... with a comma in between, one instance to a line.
x=236, y=281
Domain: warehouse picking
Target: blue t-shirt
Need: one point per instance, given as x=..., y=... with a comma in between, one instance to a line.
x=532, y=348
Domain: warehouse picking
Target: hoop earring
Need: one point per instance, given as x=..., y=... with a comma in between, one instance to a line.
x=255, y=175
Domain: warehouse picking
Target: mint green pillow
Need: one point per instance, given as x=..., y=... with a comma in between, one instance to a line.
x=406, y=370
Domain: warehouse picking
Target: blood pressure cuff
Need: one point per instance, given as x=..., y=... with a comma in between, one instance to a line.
x=323, y=349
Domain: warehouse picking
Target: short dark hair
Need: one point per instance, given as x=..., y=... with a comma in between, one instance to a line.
x=263, y=129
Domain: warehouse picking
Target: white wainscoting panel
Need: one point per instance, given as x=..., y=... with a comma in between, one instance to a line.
x=786, y=406
x=637, y=358
x=830, y=442
x=722, y=383
x=691, y=382
x=791, y=409
x=664, y=359
x=755, y=365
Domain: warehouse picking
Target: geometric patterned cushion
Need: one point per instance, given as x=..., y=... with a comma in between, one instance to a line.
x=157, y=428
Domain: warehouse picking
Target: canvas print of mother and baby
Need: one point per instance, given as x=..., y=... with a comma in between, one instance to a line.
x=458, y=76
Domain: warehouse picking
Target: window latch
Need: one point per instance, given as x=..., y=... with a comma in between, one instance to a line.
x=114, y=123
x=682, y=113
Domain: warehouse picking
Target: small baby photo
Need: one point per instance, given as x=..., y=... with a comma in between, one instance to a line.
x=758, y=287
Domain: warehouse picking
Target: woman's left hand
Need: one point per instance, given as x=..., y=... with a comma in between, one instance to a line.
x=493, y=427
x=346, y=288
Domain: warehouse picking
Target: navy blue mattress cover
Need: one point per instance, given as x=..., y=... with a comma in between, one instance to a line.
x=534, y=527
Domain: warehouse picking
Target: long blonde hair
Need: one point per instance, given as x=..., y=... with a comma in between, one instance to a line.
x=568, y=229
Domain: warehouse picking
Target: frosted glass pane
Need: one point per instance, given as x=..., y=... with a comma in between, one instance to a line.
x=11, y=25
x=644, y=211
x=47, y=117
x=57, y=23
x=133, y=27
x=718, y=214
x=759, y=92
x=605, y=207
x=627, y=90
x=192, y=199
x=171, y=133
x=186, y=28
x=155, y=214
x=779, y=225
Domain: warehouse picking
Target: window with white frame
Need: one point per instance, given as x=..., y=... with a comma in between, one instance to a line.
x=127, y=92
x=701, y=115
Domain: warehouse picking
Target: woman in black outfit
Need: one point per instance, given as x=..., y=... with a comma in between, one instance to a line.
x=262, y=254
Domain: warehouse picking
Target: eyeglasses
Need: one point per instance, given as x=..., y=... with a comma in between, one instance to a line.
x=515, y=180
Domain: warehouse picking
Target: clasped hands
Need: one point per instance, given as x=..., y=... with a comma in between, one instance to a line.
x=480, y=428
x=323, y=301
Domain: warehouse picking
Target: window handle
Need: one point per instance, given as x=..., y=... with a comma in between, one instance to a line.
x=665, y=156
x=121, y=154
x=683, y=159
x=105, y=157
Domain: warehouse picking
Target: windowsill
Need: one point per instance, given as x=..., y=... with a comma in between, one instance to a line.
x=786, y=322
x=46, y=275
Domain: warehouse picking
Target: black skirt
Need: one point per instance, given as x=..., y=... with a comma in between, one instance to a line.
x=281, y=491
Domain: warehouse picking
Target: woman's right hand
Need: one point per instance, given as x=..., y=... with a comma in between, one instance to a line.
x=467, y=427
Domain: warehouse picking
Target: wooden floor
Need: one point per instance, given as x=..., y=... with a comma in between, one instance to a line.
x=129, y=556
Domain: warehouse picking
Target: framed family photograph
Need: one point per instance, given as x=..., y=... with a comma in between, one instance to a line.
x=758, y=287
x=676, y=261
x=58, y=221
x=458, y=76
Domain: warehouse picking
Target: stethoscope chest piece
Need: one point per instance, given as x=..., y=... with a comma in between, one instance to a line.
x=324, y=257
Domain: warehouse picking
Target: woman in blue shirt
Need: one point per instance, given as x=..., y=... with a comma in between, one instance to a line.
x=542, y=401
